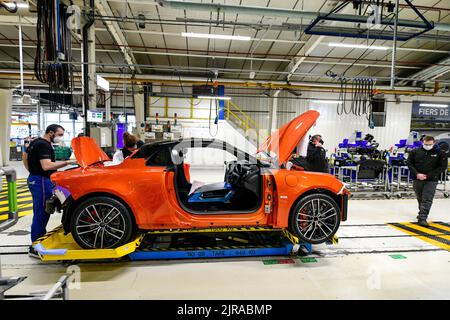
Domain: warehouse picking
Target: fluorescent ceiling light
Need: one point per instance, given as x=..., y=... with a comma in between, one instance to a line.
x=434, y=105
x=214, y=36
x=214, y=98
x=355, y=46
x=19, y=5
x=327, y=101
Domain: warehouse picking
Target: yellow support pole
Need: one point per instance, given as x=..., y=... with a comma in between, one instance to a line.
x=192, y=108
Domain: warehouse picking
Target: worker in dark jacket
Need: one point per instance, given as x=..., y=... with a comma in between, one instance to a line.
x=317, y=155
x=426, y=165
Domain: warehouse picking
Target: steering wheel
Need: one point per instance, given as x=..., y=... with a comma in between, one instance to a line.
x=237, y=171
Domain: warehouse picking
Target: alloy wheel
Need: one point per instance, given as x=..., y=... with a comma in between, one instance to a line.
x=100, y=225
x=317, y=220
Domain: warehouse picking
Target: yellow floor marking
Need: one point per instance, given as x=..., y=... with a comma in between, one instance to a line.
x=5, y=194
x=19, y=200
x=440, y=226
x=24, y=206
x=21, y=214
x=426, y=230
x=426, y=239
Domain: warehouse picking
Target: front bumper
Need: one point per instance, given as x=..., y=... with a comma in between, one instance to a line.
x=56, y=202
x=52, y=205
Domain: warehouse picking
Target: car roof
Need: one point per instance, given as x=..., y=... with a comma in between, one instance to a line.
x=148, y=149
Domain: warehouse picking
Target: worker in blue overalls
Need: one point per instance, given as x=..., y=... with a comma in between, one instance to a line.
x=39, y=160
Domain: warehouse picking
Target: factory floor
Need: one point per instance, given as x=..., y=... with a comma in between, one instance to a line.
x=372, y=260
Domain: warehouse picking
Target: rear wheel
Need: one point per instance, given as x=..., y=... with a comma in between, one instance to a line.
x=315, y=218
x=101, y=223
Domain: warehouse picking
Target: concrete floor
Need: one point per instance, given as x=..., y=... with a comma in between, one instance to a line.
x=359, y=267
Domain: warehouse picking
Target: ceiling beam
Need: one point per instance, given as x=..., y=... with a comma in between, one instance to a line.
x=306, y=49
x=114, y=29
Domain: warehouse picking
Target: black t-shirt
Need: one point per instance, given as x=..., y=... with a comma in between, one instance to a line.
x=40, y=149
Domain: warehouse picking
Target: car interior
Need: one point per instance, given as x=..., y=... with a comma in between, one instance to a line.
x=239, y=192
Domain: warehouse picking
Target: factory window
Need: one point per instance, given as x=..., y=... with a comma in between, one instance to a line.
x=73, y=127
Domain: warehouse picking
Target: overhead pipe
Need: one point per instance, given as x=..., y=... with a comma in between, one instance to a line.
x=7, y=73
x=275, y=85
x=271, y=85
x=265, y=86
x=430, y=72
x=85, y=66
x=21, y=55
x=286, y=13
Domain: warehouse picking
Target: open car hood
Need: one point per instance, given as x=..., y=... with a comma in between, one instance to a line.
x=284, y=140
x=87, y=152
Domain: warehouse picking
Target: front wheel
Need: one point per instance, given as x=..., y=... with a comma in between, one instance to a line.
x=315, y=218
x=101, y=223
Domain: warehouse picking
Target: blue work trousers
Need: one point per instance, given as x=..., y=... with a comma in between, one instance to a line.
x=41, y=189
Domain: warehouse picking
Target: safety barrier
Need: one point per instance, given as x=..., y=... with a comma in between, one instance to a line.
x=13, y=215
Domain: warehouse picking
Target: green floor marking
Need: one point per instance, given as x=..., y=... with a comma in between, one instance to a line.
x=397, y=256
x=269, y=262
x=308, y=260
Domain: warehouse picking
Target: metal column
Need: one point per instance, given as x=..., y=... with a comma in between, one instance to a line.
x=394, y=46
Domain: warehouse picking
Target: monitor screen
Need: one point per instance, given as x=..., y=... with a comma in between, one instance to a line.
x=94, y=116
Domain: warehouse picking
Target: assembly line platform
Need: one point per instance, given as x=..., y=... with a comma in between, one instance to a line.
x=179, y=244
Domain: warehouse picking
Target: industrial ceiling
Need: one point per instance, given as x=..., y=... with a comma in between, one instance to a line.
x=146, y=36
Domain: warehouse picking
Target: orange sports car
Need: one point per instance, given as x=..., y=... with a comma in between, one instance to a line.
x=150, y=190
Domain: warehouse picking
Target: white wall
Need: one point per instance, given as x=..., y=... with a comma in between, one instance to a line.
x=334, y=128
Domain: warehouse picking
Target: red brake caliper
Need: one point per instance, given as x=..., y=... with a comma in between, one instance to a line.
x=303, y=223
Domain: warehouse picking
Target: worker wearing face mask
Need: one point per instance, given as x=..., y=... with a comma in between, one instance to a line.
x=129, y=142
x=39, y=160
x=316, y=155
x=426, y=165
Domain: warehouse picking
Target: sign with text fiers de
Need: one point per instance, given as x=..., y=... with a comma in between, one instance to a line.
x=431, y=110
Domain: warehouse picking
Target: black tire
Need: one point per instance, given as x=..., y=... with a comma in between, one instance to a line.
x=305, y=213
x=101, y=216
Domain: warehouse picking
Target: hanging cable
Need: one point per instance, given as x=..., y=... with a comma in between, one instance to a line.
x=54, y=45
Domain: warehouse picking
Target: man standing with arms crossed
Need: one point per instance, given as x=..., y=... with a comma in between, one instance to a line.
x=39, y=160
x=426, y=165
